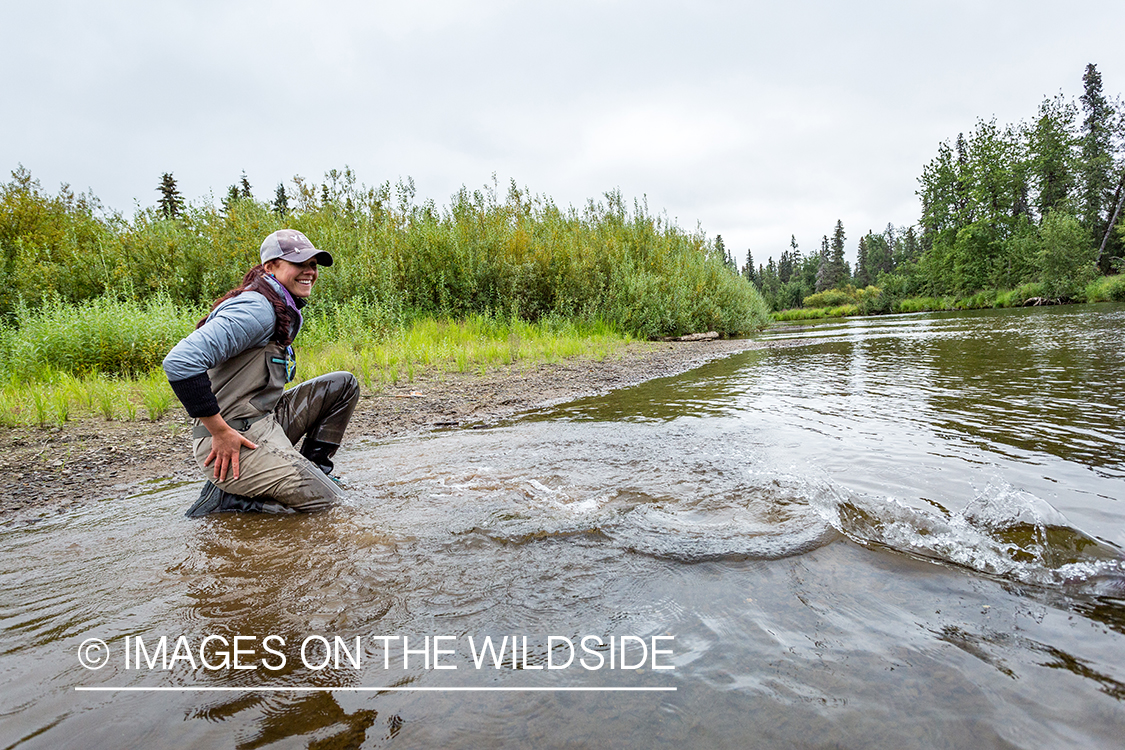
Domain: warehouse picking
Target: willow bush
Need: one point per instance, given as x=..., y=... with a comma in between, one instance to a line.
x=521, y=257
x=100, y=335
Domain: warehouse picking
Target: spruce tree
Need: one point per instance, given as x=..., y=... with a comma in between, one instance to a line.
x=785, y=267
x=862, y=276
x=281, y=201
x=797, y=262
x=839, y=265
x=910, y=247
x=171, y=202
x=1052, y=144
x=823, y=269
x=244, y=187
x=1101, y=203
x=724, y=254
x=771, y=285
x=232, y=196
x=890, y=243
x=1097, y=131
x=749, y=271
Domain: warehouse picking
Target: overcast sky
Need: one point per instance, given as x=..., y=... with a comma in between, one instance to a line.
x=756, y=120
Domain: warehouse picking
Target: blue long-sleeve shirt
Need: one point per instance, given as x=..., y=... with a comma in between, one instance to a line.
x=240, y=323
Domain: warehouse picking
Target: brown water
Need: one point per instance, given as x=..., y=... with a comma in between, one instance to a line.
x=905, y=532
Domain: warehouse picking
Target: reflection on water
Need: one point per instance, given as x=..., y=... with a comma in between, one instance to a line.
x=896, y=532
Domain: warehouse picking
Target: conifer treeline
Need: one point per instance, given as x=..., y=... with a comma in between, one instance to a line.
x=1036, y=202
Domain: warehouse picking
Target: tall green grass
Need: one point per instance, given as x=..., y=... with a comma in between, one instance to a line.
x=57, y=401
x=816, y=313
x=993, y=298
x=1018, y=296
x=479, y=343
x=52, y=373
x=1106, y=289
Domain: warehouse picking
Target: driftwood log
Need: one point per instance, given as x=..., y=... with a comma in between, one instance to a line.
x=693, y=337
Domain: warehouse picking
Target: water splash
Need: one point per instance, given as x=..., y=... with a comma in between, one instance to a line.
x=1003, y=531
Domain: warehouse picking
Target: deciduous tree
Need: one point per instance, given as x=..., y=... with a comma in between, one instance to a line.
x=1052, y=143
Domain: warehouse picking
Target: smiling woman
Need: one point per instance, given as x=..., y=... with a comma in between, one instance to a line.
x=230, y=374
x=297, y=278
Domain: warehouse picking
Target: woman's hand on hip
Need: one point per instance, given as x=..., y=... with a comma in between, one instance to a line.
x=226, y=443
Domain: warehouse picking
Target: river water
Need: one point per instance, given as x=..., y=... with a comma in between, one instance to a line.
x=896, y=532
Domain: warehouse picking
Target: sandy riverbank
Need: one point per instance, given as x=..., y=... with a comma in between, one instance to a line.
x=49, y=470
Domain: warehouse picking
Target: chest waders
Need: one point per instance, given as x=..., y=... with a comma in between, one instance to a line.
x=276, y=477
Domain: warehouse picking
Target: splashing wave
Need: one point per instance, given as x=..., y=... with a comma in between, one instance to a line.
x=1004, y=532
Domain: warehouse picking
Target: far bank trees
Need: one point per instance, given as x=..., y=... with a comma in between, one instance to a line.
x=1036, y=204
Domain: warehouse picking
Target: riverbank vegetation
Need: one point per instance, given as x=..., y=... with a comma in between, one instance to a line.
x=90, y=301
x=520, y=256
x=101, y=358
x=1010, y=214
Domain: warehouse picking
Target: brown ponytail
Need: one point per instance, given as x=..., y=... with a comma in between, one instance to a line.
x=255, y=281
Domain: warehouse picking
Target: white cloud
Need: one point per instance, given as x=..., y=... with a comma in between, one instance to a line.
x=759, y=120
x=656, y=133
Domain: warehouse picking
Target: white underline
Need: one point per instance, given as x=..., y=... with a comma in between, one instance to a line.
x=306, y=689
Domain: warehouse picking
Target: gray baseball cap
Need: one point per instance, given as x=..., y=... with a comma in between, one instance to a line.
x=291, y=245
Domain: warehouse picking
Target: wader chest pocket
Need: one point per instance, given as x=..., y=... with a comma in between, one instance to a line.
x=283, y=363
x=280, y=369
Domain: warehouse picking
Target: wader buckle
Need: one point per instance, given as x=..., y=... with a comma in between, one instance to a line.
x=242, y=424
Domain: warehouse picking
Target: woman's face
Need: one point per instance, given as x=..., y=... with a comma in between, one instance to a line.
x=298, y=278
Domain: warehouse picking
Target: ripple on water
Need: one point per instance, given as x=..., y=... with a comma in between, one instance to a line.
x=622, y=485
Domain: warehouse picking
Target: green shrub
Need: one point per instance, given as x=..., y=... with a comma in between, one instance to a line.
x=830, y=298
x=1018, y=296
x=1068, y=260
x=868, y=300
x=105, y=334
x=1106, y=289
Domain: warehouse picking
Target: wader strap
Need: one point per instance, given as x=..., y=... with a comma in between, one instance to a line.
x=242, y=425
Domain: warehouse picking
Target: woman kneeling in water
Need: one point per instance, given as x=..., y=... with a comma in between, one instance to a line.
x=230, y=375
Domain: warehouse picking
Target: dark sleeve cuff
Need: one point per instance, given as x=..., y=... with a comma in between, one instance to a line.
x=196, y=395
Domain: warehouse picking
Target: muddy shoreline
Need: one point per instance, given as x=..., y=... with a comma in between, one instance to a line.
x=49, y=470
